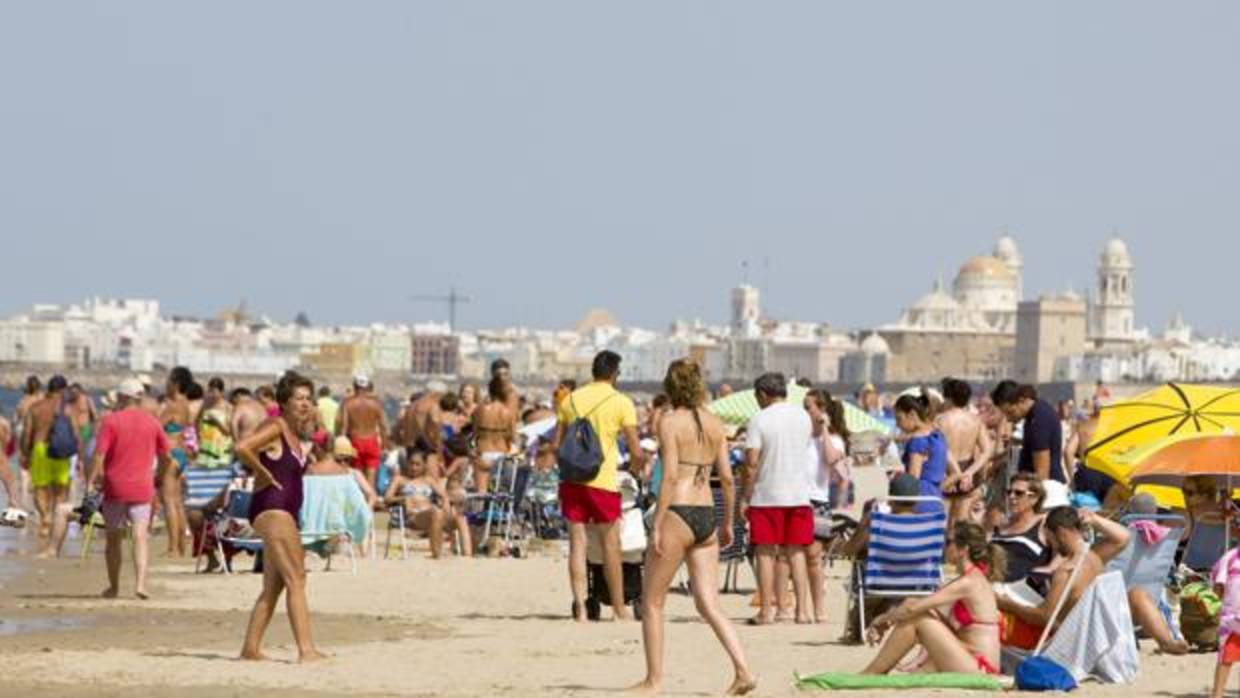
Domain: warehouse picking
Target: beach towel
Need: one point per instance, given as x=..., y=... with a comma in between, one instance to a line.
x=334, y=504
x=1097, y=638
x=839, y=681
x=1150, y=532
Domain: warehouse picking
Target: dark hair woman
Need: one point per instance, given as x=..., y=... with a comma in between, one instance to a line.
x=274, y=453
x=967, y=643
x=925, y=451
x=693, y=445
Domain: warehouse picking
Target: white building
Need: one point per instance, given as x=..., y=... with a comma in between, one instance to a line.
x=1112, y=312
x=37, y=342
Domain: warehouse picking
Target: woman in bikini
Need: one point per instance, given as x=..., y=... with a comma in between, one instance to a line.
x=176, y=417
x=494, y=431
x=424, y=498
x=693, y=444
x=274, y=453
x=957, y=626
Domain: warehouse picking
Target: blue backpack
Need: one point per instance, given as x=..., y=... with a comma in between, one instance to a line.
x=61, y=441
x=1043, y=674
x=581, y=453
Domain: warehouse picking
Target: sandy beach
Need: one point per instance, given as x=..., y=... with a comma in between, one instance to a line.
x=411, y=627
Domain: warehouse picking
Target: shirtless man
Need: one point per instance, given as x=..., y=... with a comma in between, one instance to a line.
x=13, y=515
x=49, y=476
x=32, y=394
x=1067, y=527
x=493, y=429
x=247, y=413
x=1107, y=490
x=361, y=419
x=424, y=411
x=968, y=444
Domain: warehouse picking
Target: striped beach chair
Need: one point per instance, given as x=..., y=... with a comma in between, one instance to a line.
x=905, y=554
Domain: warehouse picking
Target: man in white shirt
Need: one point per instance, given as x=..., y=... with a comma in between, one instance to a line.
x=776, y=496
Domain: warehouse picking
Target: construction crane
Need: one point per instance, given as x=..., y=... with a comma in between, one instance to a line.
x=452, y=300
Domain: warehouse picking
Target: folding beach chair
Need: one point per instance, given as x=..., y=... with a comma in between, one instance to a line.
x=203, y=484
x=334, y=509
x=500, y=507
x=233, y=528
x=905, y=554
x=1148, y=566
x=396, y=522
x=1206, y=544
x=736, y=554
x=1096, y=639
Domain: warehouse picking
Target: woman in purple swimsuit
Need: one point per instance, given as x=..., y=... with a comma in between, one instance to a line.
x=275, y=455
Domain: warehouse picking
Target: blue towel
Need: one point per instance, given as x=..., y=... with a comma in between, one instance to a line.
x=334, y=504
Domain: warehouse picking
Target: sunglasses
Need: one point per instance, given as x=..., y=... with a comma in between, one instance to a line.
x=1019, y=493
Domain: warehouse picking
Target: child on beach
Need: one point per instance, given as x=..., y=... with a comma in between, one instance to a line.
x=1226, y=577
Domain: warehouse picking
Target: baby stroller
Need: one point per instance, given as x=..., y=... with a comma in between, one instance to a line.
x=632, y=551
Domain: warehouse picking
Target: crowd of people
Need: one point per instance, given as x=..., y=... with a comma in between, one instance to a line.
x=1029, y=524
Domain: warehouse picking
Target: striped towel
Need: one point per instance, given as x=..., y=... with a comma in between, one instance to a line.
x=201, y=484
x=905, y=551
x=1096, y=638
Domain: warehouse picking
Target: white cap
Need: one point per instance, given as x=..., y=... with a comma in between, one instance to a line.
x=361, y=380
x=131, y=387
x=1056, y=495
x=649, y=444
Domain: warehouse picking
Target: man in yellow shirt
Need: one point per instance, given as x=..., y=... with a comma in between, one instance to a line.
x=597, y=502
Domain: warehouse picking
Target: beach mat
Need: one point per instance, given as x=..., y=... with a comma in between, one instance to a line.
x=840, y=681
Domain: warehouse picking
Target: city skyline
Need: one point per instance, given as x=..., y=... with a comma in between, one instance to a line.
x=530, y=157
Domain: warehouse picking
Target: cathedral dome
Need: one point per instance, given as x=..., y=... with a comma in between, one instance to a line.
x=1116, y=254
x=980, y=268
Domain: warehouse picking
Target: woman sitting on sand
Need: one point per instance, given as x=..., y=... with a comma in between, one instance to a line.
x=275, y=455
x=692, y=444
x=957, y=626
x=424, y=498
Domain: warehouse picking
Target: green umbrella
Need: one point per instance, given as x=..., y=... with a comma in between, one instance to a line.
x=737, y=408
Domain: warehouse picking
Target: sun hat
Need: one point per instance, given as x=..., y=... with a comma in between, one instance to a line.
x=343, y=448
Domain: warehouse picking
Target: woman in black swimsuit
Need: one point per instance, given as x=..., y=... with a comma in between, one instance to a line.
x=274, y=453
x=692, y=442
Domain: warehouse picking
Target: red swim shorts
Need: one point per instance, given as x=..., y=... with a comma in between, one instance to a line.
x=369, y=451
x=781, y=525
x=588, y=505
x=1229, y=649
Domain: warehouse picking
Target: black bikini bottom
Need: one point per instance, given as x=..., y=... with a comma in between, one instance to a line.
x=699, y=519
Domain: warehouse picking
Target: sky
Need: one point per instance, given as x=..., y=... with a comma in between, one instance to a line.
x=549, y=157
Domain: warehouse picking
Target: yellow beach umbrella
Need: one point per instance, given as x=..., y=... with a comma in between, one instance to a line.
x=1172, y=410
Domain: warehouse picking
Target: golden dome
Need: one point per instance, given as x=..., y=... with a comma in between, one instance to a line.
x=984, y=267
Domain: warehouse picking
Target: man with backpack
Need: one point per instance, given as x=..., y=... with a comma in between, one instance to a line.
x=590, y=422
x=49, y=442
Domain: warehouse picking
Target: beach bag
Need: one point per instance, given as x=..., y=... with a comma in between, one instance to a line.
x=581, y=452
x=61, y=441
x=1043, y=674
x=1199, y=615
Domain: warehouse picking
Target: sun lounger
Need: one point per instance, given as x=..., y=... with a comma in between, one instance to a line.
x=1206, y=544
x=1147, y=566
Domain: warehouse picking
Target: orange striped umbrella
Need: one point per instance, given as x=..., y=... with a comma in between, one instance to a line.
x=1216, y=456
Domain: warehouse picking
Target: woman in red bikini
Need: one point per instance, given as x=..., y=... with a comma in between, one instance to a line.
x=957, y=626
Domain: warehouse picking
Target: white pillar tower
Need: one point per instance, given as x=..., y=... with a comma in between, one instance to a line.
x=746, y=310
x=1007, y=252
x=1111, y=317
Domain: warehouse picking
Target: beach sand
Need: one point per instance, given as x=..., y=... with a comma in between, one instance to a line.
x=405, y=627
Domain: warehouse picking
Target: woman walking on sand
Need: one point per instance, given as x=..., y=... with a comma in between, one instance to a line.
x=693, y=445
x=275, y=455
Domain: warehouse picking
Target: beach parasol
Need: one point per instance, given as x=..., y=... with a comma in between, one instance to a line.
x=738, y=407
x=1123, y=465
x=1168, y=411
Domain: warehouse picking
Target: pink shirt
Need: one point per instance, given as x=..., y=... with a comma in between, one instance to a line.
x=129, y=441
x=1226, y=572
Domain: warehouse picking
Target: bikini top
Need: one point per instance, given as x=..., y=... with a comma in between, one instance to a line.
x=961, y=613
x=422, y=490
x=701, y=476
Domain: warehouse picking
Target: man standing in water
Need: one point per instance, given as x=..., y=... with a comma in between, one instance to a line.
x=362, y=420
x=48, y=476
x=130, y=439
x=776, y=495
x=597, y=502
